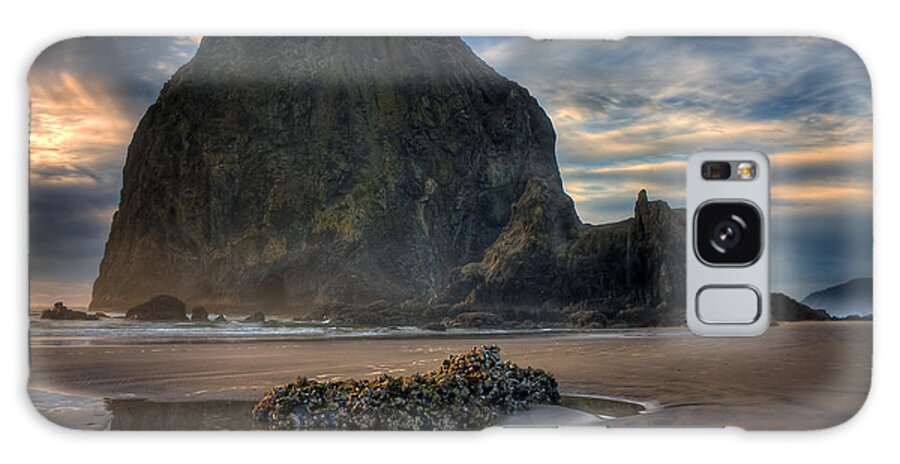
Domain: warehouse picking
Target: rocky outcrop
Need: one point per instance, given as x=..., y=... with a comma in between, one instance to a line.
x=158, y=308
x=435, y=327
x=473, y=320
x=785, y=308
x=60, y=312
x=626, y=273
x=255, y=317
x=294, y=172
x=469, y=391
x=199, y=314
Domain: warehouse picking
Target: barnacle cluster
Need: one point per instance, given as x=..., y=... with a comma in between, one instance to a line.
x=469, y=391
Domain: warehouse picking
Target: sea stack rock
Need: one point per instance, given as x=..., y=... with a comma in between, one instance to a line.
x=59, y=311
x=199, y=314
x=158, y=308
x=289, y=172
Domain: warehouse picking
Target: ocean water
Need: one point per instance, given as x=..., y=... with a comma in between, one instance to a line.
x=118, y=330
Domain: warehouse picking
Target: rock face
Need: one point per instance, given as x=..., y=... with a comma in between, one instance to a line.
x=284, y=172
x=469, y=391
x=158, y=308
x=626, y=273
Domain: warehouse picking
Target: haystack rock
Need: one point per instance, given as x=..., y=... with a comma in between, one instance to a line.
x=396, y=179
x=286, y=172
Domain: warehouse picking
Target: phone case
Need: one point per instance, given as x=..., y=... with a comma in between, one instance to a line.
x=418, y=233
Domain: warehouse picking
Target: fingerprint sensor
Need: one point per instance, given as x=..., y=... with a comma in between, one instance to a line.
x=723, y=304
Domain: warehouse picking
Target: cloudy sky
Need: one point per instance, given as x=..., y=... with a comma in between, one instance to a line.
x=627, y=113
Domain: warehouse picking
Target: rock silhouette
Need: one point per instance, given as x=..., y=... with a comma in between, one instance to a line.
x=158, y=308
x=785, y=308
x=60, y=312
x=376, y=180
x=849, y=298
x=284, y=172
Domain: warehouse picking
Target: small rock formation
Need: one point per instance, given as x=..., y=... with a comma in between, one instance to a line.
x=629, y=273
x=221, y=318
x=474, y=320
x=469, y=391
x=435, y=327
x=785, y=308
x=158, y=308
x=255, y=317
x=60, y=312
x=199, y=314
x=580, y=316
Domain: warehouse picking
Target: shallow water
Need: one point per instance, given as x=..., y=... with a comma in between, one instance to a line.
x=87, y=413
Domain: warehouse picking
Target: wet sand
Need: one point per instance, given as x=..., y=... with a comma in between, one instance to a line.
x=797, y=376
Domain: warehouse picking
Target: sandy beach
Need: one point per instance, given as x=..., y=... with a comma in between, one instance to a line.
x=804, y=375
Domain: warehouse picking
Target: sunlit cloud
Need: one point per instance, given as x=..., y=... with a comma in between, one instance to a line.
x=857, y=153
x=819, y=197
x=87, y=95
x=74, y=127
x=44, y=293
x=672, y=165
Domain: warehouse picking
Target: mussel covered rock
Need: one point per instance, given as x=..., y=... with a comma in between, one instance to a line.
x=469, y=391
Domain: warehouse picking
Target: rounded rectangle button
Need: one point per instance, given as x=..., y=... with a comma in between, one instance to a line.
x=728, y=304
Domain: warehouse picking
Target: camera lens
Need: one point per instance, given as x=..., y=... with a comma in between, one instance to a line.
x=716, y=170
x=728, y=233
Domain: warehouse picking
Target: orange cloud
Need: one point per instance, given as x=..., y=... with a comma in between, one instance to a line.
x=857, y=152
x=641, y=167
x=823, y=193
x=43, y=293
x=72, y=124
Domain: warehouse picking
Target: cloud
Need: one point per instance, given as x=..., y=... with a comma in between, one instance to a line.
x=87, y=95
x=77, y=132
x=629, y=112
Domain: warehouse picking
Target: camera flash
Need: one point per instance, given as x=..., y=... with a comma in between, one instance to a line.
x=746, y=170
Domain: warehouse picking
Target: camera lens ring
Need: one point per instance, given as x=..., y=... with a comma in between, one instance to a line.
x=749, y=221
